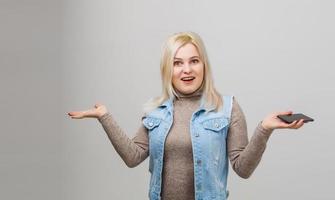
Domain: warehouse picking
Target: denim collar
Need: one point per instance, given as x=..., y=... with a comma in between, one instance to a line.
x=169, y=105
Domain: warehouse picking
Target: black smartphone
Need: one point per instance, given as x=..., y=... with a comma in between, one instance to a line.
x=290, y=118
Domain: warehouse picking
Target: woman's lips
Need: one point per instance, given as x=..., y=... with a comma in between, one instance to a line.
x=188, y=80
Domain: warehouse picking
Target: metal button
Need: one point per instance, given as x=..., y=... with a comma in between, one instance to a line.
x=151, y=124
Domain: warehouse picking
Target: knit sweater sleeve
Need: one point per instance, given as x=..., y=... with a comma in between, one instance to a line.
x=244, y=155
x=132, y=151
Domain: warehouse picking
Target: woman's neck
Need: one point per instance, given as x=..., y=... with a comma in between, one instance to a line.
x=196, y=94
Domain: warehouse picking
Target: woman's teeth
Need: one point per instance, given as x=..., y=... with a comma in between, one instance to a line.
x=188, y=78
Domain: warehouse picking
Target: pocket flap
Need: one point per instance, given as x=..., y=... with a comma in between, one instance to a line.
x=215, y=124
x=151, y=122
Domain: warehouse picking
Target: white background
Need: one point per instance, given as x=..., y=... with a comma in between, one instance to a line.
x=61, y=56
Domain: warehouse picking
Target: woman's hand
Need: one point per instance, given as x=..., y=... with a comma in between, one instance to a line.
x=272, y=122
x=95, y=112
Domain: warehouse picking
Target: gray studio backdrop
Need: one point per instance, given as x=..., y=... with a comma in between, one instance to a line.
x=61, y=56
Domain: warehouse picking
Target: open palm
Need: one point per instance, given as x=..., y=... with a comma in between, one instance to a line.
x=95, y=112
x=273, y=122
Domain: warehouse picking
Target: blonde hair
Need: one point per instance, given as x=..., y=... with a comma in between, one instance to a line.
x=212, y=99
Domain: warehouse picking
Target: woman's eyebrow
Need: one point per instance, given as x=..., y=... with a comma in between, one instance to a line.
x=194, y=57
x=189, y=58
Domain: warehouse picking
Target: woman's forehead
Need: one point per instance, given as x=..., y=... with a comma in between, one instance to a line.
x=187, y=51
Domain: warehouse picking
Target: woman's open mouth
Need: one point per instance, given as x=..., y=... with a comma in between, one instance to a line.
x=188, y=79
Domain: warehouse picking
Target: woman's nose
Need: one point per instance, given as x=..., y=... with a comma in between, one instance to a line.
x=187, y=68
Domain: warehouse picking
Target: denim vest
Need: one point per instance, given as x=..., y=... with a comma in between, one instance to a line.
x=208, y=134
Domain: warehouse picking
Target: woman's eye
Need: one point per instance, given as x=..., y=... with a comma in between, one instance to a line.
x=195, y=61
x=176, y=63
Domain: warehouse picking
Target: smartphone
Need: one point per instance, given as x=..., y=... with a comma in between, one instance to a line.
x=290, y=118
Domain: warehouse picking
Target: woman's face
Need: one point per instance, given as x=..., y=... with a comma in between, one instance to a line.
x=188, y=69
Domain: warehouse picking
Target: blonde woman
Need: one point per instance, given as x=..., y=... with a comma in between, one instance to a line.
x=190, y=131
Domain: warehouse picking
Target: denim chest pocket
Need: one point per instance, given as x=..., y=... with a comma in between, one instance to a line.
x=216, y=125
x=151, y=122
x=215, y=132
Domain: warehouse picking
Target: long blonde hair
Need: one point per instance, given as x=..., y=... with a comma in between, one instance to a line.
x=212, y=99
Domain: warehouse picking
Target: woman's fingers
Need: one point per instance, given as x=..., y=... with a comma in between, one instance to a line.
x=76, y=114
x=286, y=125
x=291, y=125
x=299, y=124
x=284, y=113
x=274, y=122
x=283, y=125
x=97, y=105
x=82, y=114
x=296, y=124
x=98, y=110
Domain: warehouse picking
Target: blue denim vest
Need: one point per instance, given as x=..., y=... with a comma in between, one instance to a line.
x=208, y=134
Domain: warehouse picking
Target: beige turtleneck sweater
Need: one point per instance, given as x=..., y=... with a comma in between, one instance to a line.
x=177, y=181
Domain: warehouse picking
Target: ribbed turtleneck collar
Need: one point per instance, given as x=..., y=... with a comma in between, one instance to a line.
x=192, y=96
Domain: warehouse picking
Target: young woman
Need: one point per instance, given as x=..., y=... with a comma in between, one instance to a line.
x=190, y=131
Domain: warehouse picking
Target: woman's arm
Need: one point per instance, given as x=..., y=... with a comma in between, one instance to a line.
x=132, y=151
x=244, y=155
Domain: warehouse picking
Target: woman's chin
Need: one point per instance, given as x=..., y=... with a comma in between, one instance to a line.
x=187, y=91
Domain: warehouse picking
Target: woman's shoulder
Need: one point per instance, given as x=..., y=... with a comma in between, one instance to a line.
x=154, y=113
x=231, y=98
x=234, y=107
